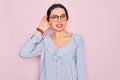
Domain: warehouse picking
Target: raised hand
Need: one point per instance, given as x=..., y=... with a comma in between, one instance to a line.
x=44, y=24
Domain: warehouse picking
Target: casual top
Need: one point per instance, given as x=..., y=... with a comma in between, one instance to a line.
x=65, y=63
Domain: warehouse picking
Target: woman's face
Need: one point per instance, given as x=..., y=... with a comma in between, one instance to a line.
x=58, y=19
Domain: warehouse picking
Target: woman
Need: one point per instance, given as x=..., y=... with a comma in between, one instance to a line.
x=62, y=52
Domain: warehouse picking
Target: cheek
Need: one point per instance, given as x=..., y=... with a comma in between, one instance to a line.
x=65, y=22
x=51, y=23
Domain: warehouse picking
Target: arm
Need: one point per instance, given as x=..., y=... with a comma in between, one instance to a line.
x=33, y=47
x=80, y=60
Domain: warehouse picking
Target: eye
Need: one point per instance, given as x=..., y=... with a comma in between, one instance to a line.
x=63, y=16
x=54, y=17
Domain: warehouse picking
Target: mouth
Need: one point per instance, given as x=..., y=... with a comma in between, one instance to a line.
x=59, y=25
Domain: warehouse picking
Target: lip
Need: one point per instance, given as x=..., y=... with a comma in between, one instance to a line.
x=59, y=25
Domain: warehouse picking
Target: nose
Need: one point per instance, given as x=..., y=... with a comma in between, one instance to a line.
x=59, y=19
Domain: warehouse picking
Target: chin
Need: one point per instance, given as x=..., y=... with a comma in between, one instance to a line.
x=60, y=30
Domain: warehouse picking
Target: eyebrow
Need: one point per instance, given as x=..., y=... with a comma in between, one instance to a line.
x=57, y=15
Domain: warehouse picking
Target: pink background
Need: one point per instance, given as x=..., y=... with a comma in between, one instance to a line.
x=98, y=21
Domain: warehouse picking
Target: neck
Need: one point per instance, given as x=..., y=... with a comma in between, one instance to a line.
x=60, y=34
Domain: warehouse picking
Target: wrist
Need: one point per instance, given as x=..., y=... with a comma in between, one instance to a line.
x=40, y=30
x=43, y=28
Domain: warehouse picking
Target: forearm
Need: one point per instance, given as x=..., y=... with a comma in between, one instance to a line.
x=33, y=46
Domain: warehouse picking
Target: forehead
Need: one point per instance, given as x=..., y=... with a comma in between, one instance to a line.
x=58, y=11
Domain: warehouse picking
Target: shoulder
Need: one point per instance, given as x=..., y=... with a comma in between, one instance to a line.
x=78, y=39
x=77, y=36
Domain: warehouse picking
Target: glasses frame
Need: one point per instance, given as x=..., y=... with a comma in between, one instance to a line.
x=63, y=17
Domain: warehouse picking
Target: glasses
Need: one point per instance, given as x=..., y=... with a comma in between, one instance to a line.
x=56, y=17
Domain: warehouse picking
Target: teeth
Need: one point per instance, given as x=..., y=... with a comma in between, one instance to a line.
x=59, y=25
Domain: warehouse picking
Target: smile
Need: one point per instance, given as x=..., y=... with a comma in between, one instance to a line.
x=59, y=25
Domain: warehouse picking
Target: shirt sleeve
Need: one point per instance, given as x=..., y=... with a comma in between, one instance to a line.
x=33, y=46
x=80, y=60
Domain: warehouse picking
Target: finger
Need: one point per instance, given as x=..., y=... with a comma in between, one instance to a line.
x=44, y=17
